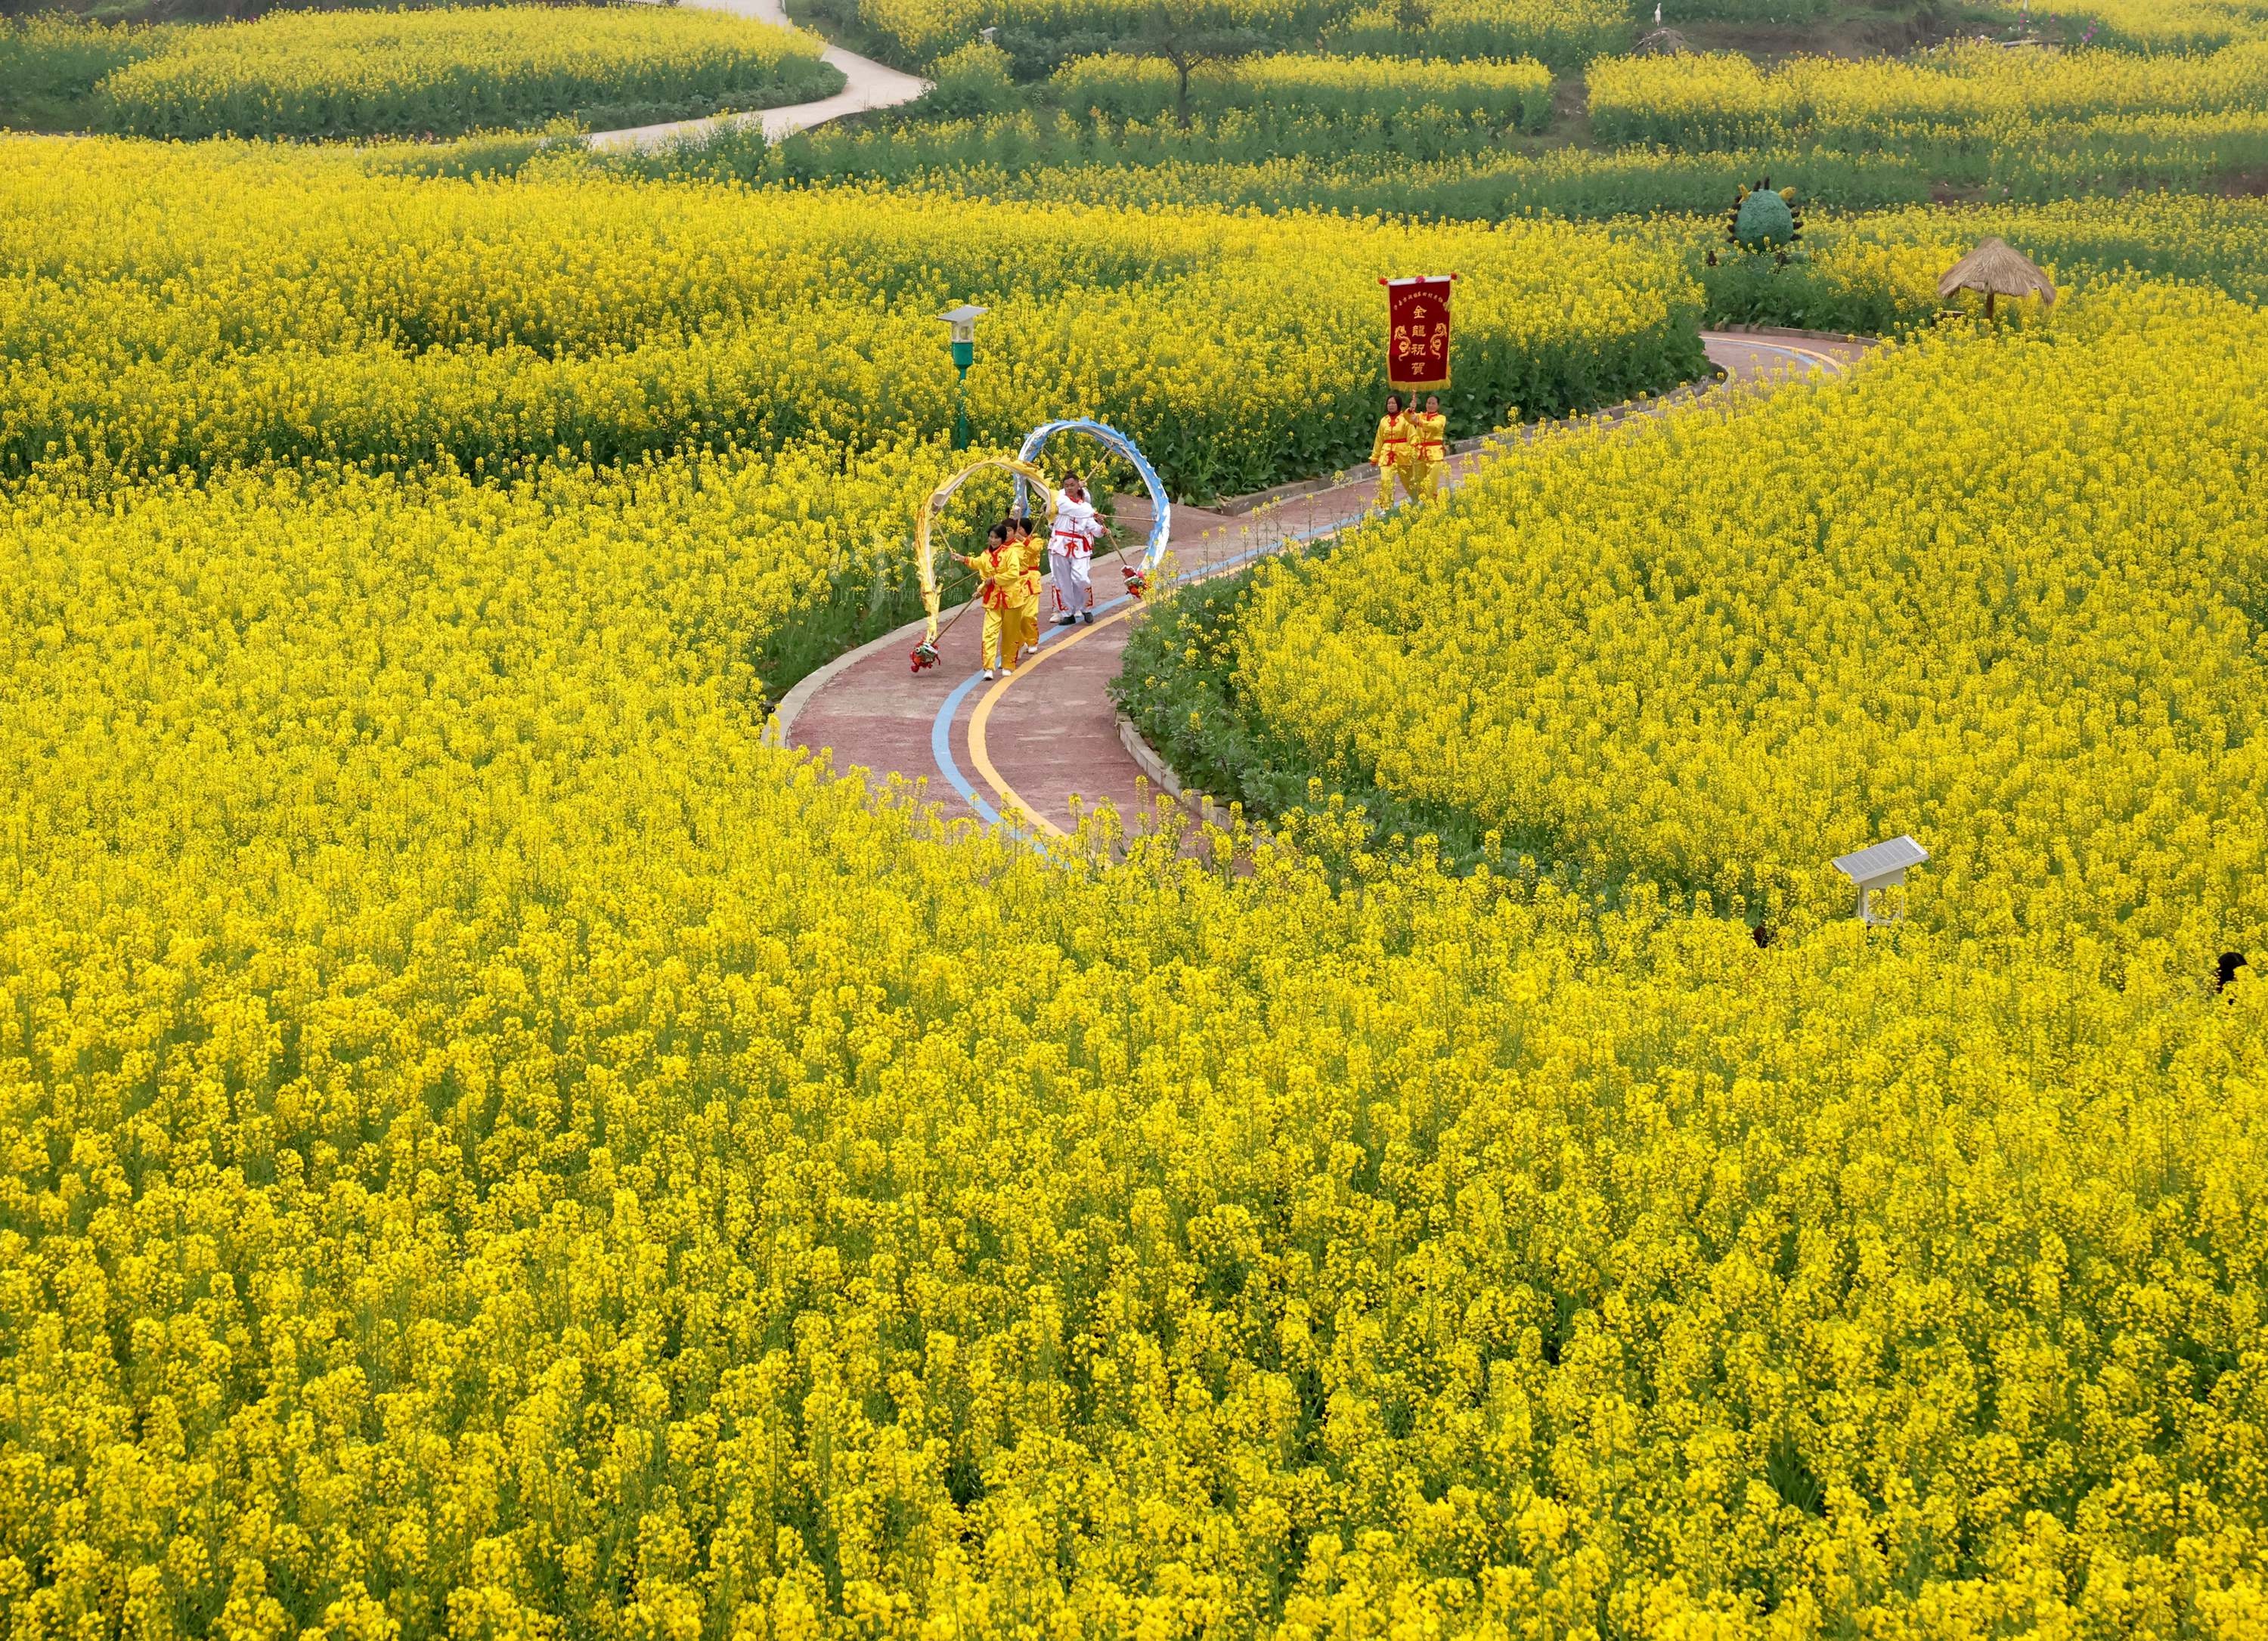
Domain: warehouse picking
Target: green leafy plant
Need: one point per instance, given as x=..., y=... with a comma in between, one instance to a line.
x=973, y=79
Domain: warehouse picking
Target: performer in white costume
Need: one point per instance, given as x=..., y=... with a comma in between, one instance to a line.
x=1071, y=546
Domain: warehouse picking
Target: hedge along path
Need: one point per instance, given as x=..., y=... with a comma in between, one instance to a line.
x=1041, y=746
x=866, y=85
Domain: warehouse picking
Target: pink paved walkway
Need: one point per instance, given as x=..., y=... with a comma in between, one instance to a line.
x=1052, y=736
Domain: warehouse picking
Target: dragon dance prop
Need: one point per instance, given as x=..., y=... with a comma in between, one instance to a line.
x=1161, y=509
x=1027, y=475
x=1024, y=466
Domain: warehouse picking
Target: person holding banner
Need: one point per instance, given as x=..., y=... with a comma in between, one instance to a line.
x=1429, y=443
x=1391, y=450
x=1417, y=361
x=1071, y=547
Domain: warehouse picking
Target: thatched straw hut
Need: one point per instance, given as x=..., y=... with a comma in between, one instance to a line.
x=1998, y=269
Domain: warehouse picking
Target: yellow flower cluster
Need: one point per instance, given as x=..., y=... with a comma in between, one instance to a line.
x=1722, y=100
x=2222, y=242
x=1484, y=94
x=49, y=59
x=1564, y=33
x=2176, y=25
x=491, y=1149
x=2005, y=594
x=443, y=69
x=924, y=29
x=204, y=307
x=487, y=1149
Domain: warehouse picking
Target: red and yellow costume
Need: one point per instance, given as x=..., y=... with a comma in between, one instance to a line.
x=1029, y=553
x=1392, y=451
x=1006, y=594
x=1428, y=447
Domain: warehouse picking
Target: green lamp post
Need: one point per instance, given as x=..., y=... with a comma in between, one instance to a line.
x=963, y=321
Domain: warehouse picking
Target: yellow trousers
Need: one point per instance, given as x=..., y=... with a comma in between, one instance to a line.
x=1412, y=474
x=1001, y=625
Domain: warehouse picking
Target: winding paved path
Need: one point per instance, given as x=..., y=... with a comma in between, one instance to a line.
x=866, y=85
x=1044, y=741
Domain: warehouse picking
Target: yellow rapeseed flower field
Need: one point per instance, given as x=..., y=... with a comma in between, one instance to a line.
x=2221, y=242
x=925, y=29
x=1485, y=95
x=1563, y=33
x=442, y=70
x=2005, y=594
x=229, y=304
x=492, y=1148
x=2174, y=24
x=1722, y=99
x=1877, y=271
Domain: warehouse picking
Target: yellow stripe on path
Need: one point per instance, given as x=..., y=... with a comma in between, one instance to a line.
x=1827, y=360
x=980, y=754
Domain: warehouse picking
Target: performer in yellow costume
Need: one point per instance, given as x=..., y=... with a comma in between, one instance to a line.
x=1429, y=445
x=1000, y=568
x=1392, y=450
x=1030, y=551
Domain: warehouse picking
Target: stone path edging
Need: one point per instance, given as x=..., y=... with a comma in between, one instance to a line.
x=811, y=683
x=1848, y=338
x=1154, y=769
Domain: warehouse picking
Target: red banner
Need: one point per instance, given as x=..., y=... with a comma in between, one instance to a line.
x=1417, y=331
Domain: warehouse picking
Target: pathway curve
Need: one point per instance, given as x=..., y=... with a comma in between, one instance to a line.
x=1044, y=741
x=866, y=85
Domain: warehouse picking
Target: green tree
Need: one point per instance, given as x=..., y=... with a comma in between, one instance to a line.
x=1188, y=33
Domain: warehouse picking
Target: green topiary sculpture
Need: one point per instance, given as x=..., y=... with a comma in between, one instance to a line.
x=1762, y=220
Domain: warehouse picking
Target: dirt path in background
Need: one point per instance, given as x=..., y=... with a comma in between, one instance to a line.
x=866, y=85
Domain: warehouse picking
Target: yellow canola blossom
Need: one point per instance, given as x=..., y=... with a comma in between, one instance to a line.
x=1876, y=273
x=489, y=1148
x=1724, y=99
x=925, y=29
x=2004, y=593
x=2171, y=26
x=428, y=580
x=205, y=308
x=1563, y=33
x=2222, y=242
x=1486, y=95
x=444, y=70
